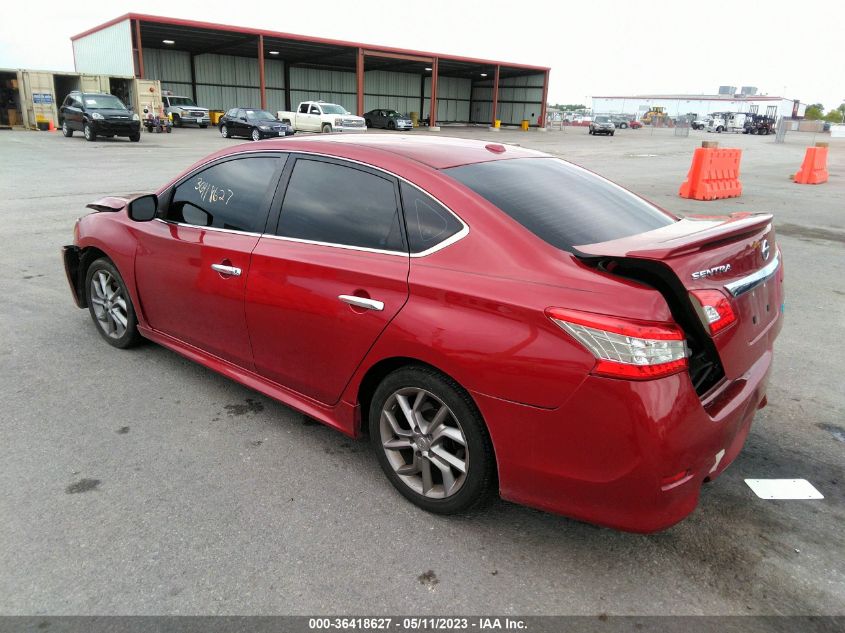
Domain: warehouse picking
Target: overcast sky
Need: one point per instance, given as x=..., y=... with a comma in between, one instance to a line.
x=593, y=48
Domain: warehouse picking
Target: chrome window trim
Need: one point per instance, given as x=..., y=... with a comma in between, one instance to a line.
x=749, y=282
x=439, y=246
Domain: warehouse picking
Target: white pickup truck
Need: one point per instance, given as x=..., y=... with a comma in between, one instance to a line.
x=318, y=116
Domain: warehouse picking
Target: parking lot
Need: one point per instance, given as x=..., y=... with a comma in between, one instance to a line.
x=141, y=483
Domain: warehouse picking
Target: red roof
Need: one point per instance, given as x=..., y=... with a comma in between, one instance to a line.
x=295, y=37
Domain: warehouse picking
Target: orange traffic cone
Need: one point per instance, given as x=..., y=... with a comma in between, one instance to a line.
x=50, y=126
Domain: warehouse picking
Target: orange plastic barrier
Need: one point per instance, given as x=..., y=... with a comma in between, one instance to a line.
x=814, y=168
x=714, y=174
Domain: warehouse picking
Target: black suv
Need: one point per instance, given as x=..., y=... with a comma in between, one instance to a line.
x=98, y=114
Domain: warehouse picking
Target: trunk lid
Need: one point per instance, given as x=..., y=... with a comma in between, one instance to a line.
x=736, y=255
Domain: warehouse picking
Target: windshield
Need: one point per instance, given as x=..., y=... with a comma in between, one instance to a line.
x=602, y=119
x=559, y=202
x=259, y=115
x=103, y=102
x=393, y=113
x=182, y=101
x=331, y=108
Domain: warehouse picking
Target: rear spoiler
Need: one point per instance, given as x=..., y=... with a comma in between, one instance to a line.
x=692, y=233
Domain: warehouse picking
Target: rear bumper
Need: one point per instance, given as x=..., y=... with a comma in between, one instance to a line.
x=71, y=256
x=609, y=454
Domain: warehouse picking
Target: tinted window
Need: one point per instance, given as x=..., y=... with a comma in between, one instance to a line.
x=326, y=202
x=232, y=113
x=428, y=222
x=560, y=203
x=303, y=107
x=230, y=195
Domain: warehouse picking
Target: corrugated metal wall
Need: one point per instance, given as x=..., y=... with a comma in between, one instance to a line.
x=399, y=91
x=226, y=81
x=519, y=98
x=106, y=52
x=171, y=68
x=453, y=96
x=334, y=86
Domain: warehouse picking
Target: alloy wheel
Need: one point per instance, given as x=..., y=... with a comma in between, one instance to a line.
x=224, y=131
x=256, y=135
x=109, y=304
x=424, y=443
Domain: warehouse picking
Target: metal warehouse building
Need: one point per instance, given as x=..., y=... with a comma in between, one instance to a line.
x=678, y=105
x=222, y=67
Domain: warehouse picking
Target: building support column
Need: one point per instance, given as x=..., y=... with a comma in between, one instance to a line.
x=432, y=114
x=359, y=75
x=261, y=86
x=193, y=78
x=495, y=100
x=140, y=49
x=286, y=70
x=541, y=124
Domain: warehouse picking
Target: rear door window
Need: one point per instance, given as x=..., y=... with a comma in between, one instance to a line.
x=233, y=195
x=561, y=203
x=339, y=204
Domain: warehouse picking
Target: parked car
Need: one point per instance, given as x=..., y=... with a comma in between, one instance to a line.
x=493, y=315
x=252, y=123
x=389, y=119
x=620, y=122
x=701, y=122
x=98, y=114
x=634, y=124
x=182, y=110
x=319, y=116
x=602, y=125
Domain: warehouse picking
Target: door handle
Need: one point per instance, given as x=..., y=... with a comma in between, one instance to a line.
x=361, y=302
x=223, y=269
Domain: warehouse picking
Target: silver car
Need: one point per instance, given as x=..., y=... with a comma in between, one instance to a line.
x=390, y=119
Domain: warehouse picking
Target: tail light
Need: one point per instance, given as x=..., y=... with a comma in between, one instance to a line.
x=716, y=312
x=625, y=348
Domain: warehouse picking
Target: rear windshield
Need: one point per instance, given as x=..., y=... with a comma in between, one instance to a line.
x=560, y=203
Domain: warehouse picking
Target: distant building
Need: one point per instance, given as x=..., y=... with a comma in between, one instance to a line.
x=678, y=105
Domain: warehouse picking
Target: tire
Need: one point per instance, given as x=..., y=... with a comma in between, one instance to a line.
x=255, y=135
x=368, y=123
x=720, y=129
x=89, y=133
x=177, y=120
x=110, y=305
x=203, y=125
x=167, y=129
x=66, y=131
x=135, y=137
x=391, y=125
x=590, y=131
x=623, y=126
x=612, y=133
x=326, y=129
x=446, y=488
x=224, y=131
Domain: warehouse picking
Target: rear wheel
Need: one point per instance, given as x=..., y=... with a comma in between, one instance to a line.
x=431, y=442
x=89, y=133
x=623, y=125
x=326, y=129
x=66, y=131
x=256, y=135
x=110, y=305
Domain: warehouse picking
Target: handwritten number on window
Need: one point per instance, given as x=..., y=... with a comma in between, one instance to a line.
x=213, y=193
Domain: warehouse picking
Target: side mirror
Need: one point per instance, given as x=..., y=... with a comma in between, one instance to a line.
x=143, y=209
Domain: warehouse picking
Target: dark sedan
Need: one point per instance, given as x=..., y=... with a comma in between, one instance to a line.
x=252, y=123
x=390, y=119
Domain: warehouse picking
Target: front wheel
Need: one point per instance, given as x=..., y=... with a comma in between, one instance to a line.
x=368, y=123
x=135, y=137
x=66, y=131
x=256, y=135
x=203, y=125
x=612, y=133
x=391, y=125
x=224, y=131
x=326, y=129
x=431, y=442
x=110, y=305
x=89, y=133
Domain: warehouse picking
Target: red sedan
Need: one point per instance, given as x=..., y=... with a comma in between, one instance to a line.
x=634, y=124
x=495, y=318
